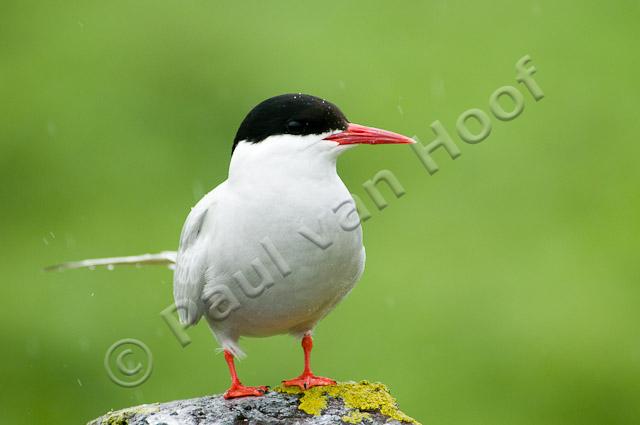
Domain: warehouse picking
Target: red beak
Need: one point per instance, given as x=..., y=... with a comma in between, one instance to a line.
x=356, y=133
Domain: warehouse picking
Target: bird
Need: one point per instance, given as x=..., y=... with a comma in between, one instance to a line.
x=275, y=247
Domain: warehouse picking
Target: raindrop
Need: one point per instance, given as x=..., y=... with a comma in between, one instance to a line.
x=33, y=347
x=84, y=344
x=437, y=87
x=51, y=128
x=110, y=267
x=69, y=240
x=198, y=189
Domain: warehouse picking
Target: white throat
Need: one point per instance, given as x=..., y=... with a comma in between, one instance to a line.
x=285, y=156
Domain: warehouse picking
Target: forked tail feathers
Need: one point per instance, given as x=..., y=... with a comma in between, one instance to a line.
x=167, y=258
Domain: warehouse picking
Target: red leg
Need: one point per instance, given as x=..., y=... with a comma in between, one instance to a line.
x=237, y=389
x=307, y=379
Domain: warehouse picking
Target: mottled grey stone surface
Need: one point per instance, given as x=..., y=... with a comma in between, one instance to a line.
x=273, y=408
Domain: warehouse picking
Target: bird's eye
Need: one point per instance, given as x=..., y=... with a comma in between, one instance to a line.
x=294, y=126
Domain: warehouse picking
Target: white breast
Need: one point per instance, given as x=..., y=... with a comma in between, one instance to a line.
x=285, y=244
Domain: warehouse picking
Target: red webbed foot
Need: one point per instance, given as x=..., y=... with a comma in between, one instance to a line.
x=239, y=390
x=308, y=380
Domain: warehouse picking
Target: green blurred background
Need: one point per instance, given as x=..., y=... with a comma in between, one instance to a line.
x=501, y=290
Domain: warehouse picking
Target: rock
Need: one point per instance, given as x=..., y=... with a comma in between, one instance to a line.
x=347, y=402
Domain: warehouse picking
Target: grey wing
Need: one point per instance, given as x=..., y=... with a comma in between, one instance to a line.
x=191, y=261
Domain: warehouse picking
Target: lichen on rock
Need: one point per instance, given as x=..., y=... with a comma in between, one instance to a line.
x=362, y=397
x=356, y=417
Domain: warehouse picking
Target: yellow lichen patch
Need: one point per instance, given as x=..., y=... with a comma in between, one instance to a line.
x=287, y=390
x=361, y=396
x=313, y=400
x=356, y=417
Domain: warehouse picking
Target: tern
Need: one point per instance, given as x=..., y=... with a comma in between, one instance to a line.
x=274, y=248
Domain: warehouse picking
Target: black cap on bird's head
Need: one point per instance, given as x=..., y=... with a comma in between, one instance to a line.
x=299, y=114
x=303, y=114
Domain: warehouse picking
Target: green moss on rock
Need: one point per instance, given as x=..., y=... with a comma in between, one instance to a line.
x=122, y=417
